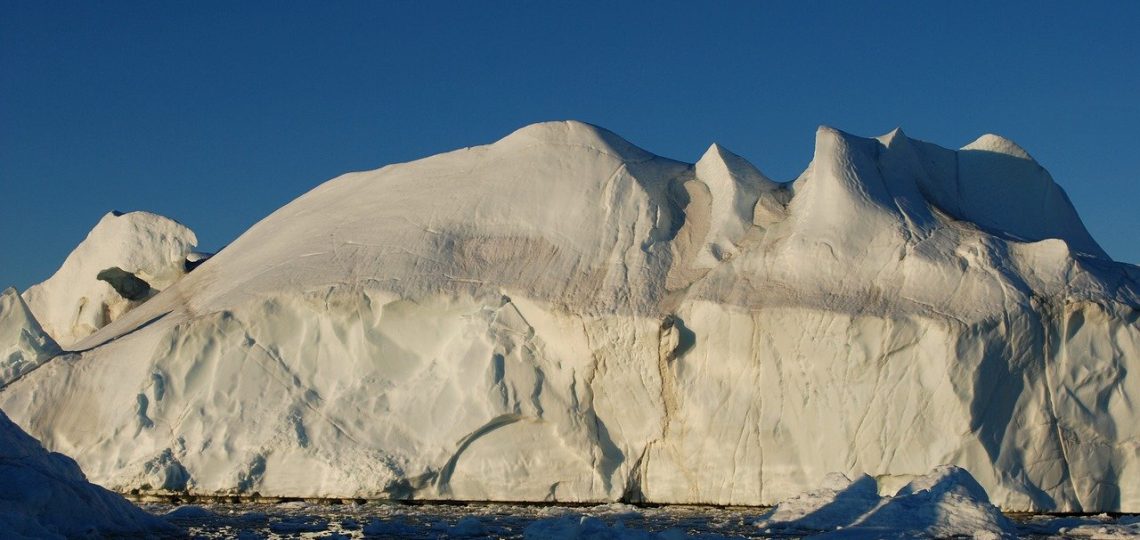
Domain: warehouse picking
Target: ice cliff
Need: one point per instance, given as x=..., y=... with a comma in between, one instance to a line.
x=564, y=316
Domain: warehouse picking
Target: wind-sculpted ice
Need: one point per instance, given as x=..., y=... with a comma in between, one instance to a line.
x=561, y=316
x=86, y=292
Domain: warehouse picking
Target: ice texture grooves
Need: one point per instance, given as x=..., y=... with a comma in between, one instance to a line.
x=562, y=316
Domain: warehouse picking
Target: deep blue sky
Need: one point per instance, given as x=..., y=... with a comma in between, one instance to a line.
x=218, y=113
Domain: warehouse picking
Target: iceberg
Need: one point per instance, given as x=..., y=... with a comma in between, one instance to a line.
x=563, y=316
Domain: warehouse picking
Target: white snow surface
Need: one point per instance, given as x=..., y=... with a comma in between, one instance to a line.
x=73, y=303
x=23, y=343
x=946, y=503
x=45, y=495
x=562, y=316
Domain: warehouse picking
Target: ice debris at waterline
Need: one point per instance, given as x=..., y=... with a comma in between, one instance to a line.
x=946, y=503
x=44, y=495
x=562, y=316
x=612, y=520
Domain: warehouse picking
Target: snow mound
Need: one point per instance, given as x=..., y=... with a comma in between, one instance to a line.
x=999, y=145
x=23, y=343
x=838, y=501
x=45, y=495
x=946, y=503
x=75, y=301
x=561, y=316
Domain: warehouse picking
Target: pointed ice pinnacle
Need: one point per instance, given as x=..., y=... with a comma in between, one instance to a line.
x=23, y=343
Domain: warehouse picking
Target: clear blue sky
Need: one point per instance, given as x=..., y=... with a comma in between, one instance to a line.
x=218, y=113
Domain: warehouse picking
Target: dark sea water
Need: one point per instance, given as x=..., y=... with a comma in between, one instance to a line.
x=612, y=521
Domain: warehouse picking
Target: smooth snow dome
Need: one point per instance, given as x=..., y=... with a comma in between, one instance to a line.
x=74, y=303
x=562, y=316
x=45, y=495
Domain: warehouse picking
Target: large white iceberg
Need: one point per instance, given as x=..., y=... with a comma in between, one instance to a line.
x=562, y=316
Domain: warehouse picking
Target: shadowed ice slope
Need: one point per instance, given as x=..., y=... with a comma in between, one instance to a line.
x=44, y=495
x=563, y=316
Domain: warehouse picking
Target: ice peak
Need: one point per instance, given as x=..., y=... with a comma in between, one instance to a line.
x=724, y=161
x=998, y=144
x=576, y=133
x=843, y=155
x=826, y=132
x=1004, y=190
x=892, y=137
x=73, y=303
x=717, y=150
x=831, y=143
x=138, y=218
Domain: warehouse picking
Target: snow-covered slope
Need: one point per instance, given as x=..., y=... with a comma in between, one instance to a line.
x=563, y=316
x=45, y=495
x=76, y=301
x=23, y=343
